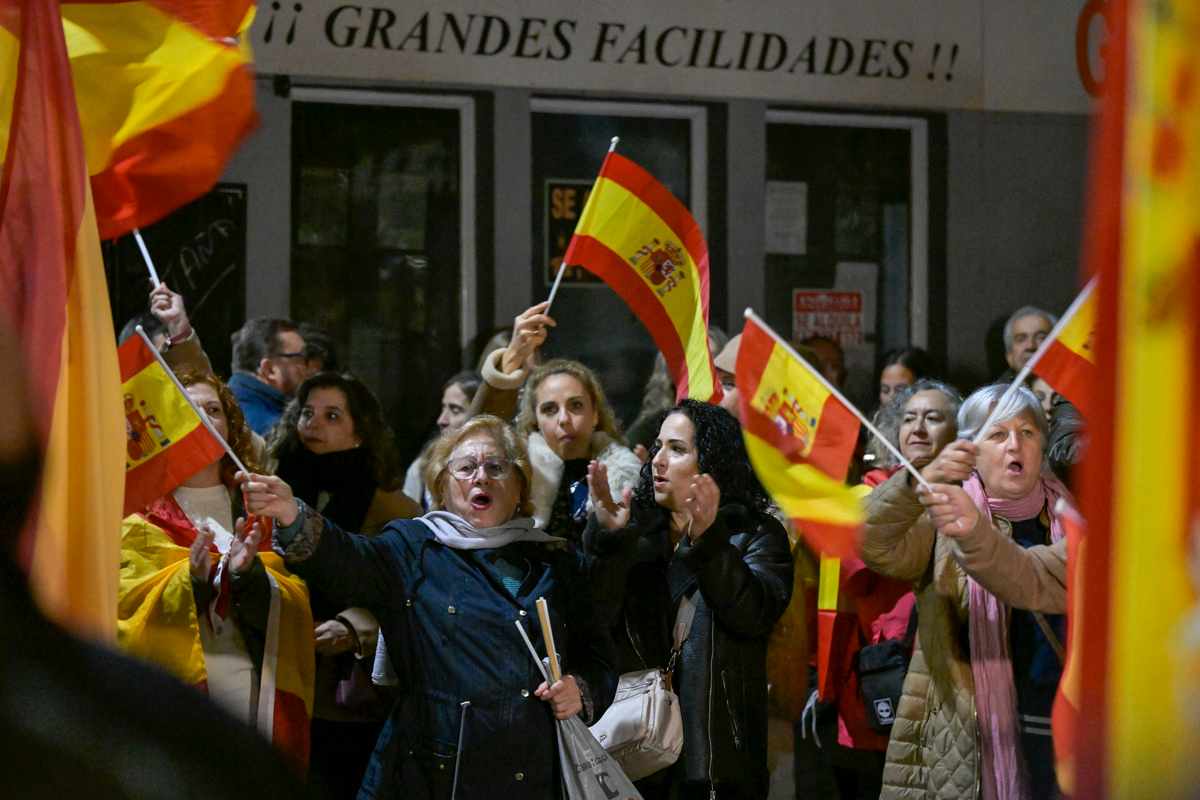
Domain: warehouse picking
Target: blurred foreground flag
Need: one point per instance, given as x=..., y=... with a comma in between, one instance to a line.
x=54, y=301
x=800, y=438
x=1138, y=729
x=643, y=243
x=165, y=441
x=165, y=93
x=1069, y=363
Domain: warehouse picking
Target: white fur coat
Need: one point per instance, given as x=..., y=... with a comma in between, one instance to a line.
x=623, y=470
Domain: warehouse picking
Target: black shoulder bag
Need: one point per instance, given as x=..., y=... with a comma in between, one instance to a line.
x=881, y=670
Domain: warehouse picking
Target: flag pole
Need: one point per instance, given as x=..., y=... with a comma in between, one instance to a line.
x=204, y=420
x=1050, y=339
x=904, y=462
x=612, y=145
x=137, y=235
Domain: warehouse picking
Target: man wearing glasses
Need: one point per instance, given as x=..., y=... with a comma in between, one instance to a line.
x=268, y=364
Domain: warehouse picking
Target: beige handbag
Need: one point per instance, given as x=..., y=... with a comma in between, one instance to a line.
x=643, y=728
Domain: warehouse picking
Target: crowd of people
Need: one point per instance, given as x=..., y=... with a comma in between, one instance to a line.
x=396, y=589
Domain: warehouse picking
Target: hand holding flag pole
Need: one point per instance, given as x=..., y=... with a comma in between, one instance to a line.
x=904, y=462
x=1050, y=339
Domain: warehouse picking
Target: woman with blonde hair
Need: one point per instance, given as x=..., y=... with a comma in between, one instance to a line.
x=447, y=588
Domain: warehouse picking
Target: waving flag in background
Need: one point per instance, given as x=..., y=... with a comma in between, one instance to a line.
x=165, y=94
x=1138, y=726
x=1069, y=363
x=165, y=442
x=636, y=236
x=53, y=296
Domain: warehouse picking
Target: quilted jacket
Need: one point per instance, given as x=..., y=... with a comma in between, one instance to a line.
x=933, y=753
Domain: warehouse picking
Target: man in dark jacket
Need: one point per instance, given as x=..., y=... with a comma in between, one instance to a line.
x=269, y=363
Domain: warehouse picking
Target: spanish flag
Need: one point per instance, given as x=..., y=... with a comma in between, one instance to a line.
x=165, y=94
x=800, y=438
x=53, y=295
x=636, y=236
x=1069, y=361
x=1139, y=694
x=165, y=441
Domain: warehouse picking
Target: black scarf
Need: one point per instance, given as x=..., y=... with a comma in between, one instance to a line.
x=346, y=476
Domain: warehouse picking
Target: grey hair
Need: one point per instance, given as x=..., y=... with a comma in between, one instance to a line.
x=1025, y=311
x=975, y=411
x=889, y=417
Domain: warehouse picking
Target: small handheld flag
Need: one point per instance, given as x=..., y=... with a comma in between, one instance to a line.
x=636, y=236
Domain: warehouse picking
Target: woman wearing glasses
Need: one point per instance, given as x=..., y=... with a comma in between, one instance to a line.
x=447, y=589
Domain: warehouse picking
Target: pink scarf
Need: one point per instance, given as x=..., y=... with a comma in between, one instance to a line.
x=1003, y=775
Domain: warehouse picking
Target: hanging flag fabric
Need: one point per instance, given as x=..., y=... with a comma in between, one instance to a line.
x=1069, y=363
x=1138, y=728
x=1065, y=716
x=157, y=620
x=636, y=236
x=165, y=441
x=165, y=93
x=800, y=438
x=54, y=301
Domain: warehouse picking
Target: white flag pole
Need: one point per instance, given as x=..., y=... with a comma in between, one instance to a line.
x=1051, y=337
x=137, y=235
x=204, y=420
x=563, y=267
x=904, y=462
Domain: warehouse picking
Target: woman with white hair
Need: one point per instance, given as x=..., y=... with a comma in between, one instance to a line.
x=987, y=558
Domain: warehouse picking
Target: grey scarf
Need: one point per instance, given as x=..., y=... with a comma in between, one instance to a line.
x=454, y=531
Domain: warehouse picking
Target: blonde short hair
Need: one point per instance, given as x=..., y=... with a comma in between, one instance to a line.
x=527, y=421
x=436, y=471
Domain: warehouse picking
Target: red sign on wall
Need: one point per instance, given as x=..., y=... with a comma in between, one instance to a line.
x=837, y=315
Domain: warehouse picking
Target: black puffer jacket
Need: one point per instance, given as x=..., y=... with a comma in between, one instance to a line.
x=740, y=575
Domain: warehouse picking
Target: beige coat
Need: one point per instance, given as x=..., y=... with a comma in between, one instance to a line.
x=933, y=752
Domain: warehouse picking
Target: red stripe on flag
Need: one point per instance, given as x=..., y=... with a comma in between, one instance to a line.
x=172, y=164
x=628, y=284
x=829, y=538
x=642, y=184
x=134, y=356
x=1071, y=375
x=149, y=481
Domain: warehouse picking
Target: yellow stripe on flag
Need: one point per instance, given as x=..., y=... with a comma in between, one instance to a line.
x=623, y=223
x=788, y=392
x=801, y=490
x=136, y=68
x=1077, y=334
x=158, y=412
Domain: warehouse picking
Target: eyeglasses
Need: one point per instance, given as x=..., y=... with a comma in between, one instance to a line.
x=465, y=468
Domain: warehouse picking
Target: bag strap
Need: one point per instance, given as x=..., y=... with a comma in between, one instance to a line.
x=1051, y=637
x=910, y=633
x=683, y=628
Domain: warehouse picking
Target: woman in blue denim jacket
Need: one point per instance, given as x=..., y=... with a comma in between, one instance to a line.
x=475, y=717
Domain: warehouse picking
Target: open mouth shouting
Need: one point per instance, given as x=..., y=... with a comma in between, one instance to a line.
x=480, y=499
x=1014, y=468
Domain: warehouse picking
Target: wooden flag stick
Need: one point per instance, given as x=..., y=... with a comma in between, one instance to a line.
x=543, y=609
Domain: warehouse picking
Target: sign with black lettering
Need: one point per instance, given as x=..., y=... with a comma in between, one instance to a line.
x=565, y=199
x=918, y=53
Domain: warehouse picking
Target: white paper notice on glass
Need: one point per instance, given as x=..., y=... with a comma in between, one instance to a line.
x=787, y=217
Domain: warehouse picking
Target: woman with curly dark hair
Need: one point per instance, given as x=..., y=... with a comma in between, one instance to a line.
x=696, y=530
x=336, y=452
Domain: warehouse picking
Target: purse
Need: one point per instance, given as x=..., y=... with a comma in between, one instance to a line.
x=881, y=670
x=643, y=728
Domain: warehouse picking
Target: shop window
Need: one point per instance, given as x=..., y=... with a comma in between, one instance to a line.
x=377, y=237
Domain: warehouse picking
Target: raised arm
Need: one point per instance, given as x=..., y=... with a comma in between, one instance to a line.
x=897, y=541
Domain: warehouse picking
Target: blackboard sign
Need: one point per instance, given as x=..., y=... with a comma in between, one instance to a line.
x=199, y=251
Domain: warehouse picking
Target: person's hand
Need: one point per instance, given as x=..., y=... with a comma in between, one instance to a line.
x=701, y=504
x=332, y=637
x=611, y=515
x=950, y=508
x=529, y=333
x=199, y=557
x=168, y=307
x=244, y=547
x=953, y=465
x=564, y=697
x=268, y=496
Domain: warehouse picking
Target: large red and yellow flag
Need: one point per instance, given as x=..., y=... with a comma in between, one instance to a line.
x=800, y=438
x=165, y=94
x=637, y=237
x=1139, y=694
x=53, y=294
x=1069, y=362
x=166, y=443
